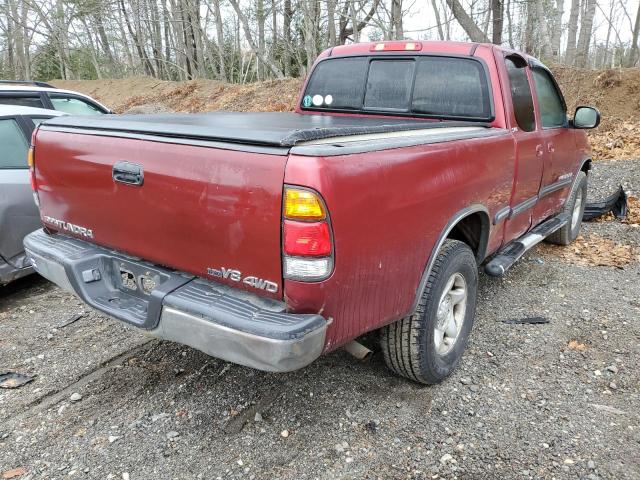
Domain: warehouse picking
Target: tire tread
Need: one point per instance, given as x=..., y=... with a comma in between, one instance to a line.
x=402, y=341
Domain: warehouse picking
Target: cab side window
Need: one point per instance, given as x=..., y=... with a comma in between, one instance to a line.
x=521, y=95
x=552, y=112
x=73, y=106
x=14, y=145
x=24, y=100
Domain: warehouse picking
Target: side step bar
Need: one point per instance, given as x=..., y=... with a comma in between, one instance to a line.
x=511, y=253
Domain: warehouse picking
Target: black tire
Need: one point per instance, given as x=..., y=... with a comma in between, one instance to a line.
x=408, y=345
x=570, y=232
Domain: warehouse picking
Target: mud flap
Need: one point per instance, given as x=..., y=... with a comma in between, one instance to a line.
x=615, y=203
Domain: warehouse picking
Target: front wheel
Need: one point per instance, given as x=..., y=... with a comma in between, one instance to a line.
x=427, y=346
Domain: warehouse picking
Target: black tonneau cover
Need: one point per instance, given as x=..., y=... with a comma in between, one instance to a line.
x=276, y=129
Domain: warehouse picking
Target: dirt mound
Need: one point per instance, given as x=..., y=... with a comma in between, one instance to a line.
x=615, y=92
x=195, y=96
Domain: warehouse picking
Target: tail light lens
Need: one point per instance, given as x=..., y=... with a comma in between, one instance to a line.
x=32, y=173
x=302, y=204
x=307, y=241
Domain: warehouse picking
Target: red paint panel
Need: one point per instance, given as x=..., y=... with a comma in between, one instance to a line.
x=387, y=210
x=199, y=207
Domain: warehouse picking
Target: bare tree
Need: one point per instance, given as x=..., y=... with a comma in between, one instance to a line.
x=254, y=47
x=570, y=53
x=466, y=22
x=247, y=40
x=497, y=11
x=586, y=29
x=633, y=53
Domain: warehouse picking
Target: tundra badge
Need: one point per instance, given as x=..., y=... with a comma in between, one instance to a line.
x=70, y=227
x=236, y=276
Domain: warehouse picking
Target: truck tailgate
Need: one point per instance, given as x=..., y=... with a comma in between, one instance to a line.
x=200, y=209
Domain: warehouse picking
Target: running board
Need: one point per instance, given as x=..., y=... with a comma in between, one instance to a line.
x=510, y=254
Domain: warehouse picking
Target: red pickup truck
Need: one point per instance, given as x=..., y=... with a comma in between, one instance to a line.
x=267, y=239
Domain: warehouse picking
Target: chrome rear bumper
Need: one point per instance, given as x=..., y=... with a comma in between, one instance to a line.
x=221, y=321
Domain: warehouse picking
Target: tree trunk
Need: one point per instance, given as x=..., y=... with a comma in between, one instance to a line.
x=586, y=30
x=543, y=37
x=247, y=33
x=146, y=64
x=355, y=31
x=572, y=28
x=556, y=29
x=331, y=22
x=167, y=36
x=466, y=22
x=286, y=36
x=436, y=12
x=510, y=23
x=396, y=20
x=633, y=53
x=220, y=39
x=260, y=21
x=497, y=9
x=531, y=21
x=349, y=13
x=104, y=40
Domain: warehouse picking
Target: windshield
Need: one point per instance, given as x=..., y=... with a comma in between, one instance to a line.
x=432, y=86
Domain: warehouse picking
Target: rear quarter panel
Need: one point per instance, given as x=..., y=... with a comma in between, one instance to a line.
x=388, y=209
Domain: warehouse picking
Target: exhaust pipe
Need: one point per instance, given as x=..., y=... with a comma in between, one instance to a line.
x=358, y=350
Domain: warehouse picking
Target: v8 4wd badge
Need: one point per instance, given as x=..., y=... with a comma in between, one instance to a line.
x=236, y=276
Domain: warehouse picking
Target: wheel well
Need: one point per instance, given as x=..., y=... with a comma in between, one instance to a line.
x=474, y=231
x=586, y=166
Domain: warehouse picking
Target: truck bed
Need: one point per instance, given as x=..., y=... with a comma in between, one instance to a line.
x=269, y=129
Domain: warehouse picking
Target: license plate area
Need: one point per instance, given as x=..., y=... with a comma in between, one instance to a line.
x=136, y=279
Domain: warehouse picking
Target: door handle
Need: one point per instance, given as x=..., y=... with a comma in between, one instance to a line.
x=551, y=147
x=129, y=173
x=539, y=150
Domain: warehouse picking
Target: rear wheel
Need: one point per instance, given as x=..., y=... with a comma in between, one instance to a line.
x=575, y=208
x=427, y=346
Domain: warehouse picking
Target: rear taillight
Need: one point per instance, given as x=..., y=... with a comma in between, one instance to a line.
x=307, y=243
x=306, y=239
x=32, y=174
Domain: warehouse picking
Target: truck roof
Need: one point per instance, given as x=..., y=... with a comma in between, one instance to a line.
x=419, y=47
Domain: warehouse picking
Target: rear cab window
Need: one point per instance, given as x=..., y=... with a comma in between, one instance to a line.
x=521, y=94
x=14, y=145
x=423, y=86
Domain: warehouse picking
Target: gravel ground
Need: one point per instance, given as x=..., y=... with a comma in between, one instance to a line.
x=109, y=402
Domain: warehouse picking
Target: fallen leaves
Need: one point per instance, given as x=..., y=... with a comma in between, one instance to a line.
x=14, y=380
x=633, y=211
x=595, y=251
x=576, y=345
x=14, y=473
x=621, y=140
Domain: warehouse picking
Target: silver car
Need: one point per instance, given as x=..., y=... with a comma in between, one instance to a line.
x=18, y=212
x=43, y=95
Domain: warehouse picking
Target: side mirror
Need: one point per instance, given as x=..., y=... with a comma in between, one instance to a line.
x=586, y=117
